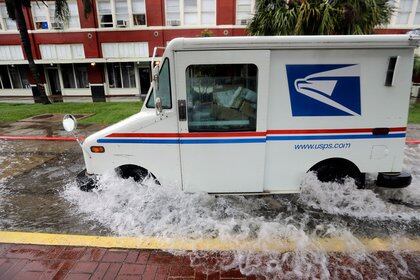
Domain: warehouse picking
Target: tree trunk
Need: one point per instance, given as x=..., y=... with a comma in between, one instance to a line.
x=26, y=43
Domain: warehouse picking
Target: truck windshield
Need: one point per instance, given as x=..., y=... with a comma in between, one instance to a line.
x=164, y=88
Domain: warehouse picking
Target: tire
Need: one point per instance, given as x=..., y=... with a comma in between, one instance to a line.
x=138, y=174
x=328, y=172
x=393, y=180
x=86, y=182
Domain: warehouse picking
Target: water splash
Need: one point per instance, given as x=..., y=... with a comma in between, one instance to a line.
x=131, y=209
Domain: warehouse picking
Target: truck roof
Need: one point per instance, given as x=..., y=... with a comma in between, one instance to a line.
x=295, y=42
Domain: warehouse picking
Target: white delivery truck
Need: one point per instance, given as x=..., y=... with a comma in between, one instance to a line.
x=254, y=114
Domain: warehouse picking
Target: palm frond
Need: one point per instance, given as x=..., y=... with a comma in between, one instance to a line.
x=298, y=17
x=62, y=12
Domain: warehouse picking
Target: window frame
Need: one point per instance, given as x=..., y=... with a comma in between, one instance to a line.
x=46, y=8
x=252, y=12
x=257, y=75
x=199, y=14
x=120, y=74
x=170, y=88
x=74, y=77
x=3, y=20
x=9, y=76
x=130, y=18
x=411, y=16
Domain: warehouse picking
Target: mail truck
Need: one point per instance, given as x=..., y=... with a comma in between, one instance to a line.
x=255, y=114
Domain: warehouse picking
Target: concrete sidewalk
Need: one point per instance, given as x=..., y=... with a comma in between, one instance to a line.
x=62, y=262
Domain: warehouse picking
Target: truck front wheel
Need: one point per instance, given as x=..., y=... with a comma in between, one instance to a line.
x=135, y=172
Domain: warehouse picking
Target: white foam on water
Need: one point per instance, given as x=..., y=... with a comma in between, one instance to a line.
x=410, y=194
x=131, y=209
x=347, y=200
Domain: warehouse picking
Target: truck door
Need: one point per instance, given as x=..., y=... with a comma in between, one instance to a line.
x=222, y=109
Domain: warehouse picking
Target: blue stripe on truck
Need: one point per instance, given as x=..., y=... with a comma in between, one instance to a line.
x=246, y=140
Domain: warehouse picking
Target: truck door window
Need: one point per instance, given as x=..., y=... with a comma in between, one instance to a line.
x=222, y=97
x=164, y=90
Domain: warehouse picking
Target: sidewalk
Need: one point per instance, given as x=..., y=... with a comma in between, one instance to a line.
x=59, y=262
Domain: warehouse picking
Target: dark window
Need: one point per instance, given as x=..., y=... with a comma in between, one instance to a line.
x=68, y=76
x=390, y=72
x=139, y=19
x=14, y=76
x=121, y=75
x=164, y=88
x=106, y=21
x=222, y=97
x=4, y=76
x=75, y=75
x=81, y=72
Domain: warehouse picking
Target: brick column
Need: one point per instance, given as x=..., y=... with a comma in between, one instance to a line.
x=226, y=12
x=155, y=12
x=89, y=21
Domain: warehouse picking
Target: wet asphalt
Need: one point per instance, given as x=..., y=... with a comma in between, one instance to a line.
x=34, y=175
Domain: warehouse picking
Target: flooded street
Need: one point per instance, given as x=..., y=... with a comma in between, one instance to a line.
x=44, y=198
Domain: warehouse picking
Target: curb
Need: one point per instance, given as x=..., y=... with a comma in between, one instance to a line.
x=330, y=244
x=38, y=138
x=63, y=138
x=412, y=141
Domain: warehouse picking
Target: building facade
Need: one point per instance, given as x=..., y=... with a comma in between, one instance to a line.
x=106, y=54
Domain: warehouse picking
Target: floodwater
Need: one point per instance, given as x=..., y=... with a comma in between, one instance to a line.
x=47, y=199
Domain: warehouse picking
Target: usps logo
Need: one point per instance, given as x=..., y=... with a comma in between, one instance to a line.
x=324, y=89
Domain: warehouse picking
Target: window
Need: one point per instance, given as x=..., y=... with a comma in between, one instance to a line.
x=190, y=12
x=417, y=15
x=208, y=12
x=404, y=11
x=13, y=77
x=173, y=13
x=74, y=75
x=74, y=21
x=244, y=11
x=40, y=16
x=105, y=13
x=222, y=97
x=164, y=88
x=6, y=23
x=121, y=75
x=139, y=12
x=44, y=16
x=121, y=13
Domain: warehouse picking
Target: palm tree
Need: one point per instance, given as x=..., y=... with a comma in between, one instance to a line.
x=319, y=17
x=15, y=12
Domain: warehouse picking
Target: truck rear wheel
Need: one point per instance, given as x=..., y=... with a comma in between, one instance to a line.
x=337, y=170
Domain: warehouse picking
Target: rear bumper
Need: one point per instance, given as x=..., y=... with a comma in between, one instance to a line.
x=393, y=179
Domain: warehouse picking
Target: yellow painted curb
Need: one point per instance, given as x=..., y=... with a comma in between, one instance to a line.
x=144, y=242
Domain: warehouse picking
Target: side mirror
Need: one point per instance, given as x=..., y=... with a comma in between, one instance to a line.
x=155, y=73
x=69, y=123
x=158, y=104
